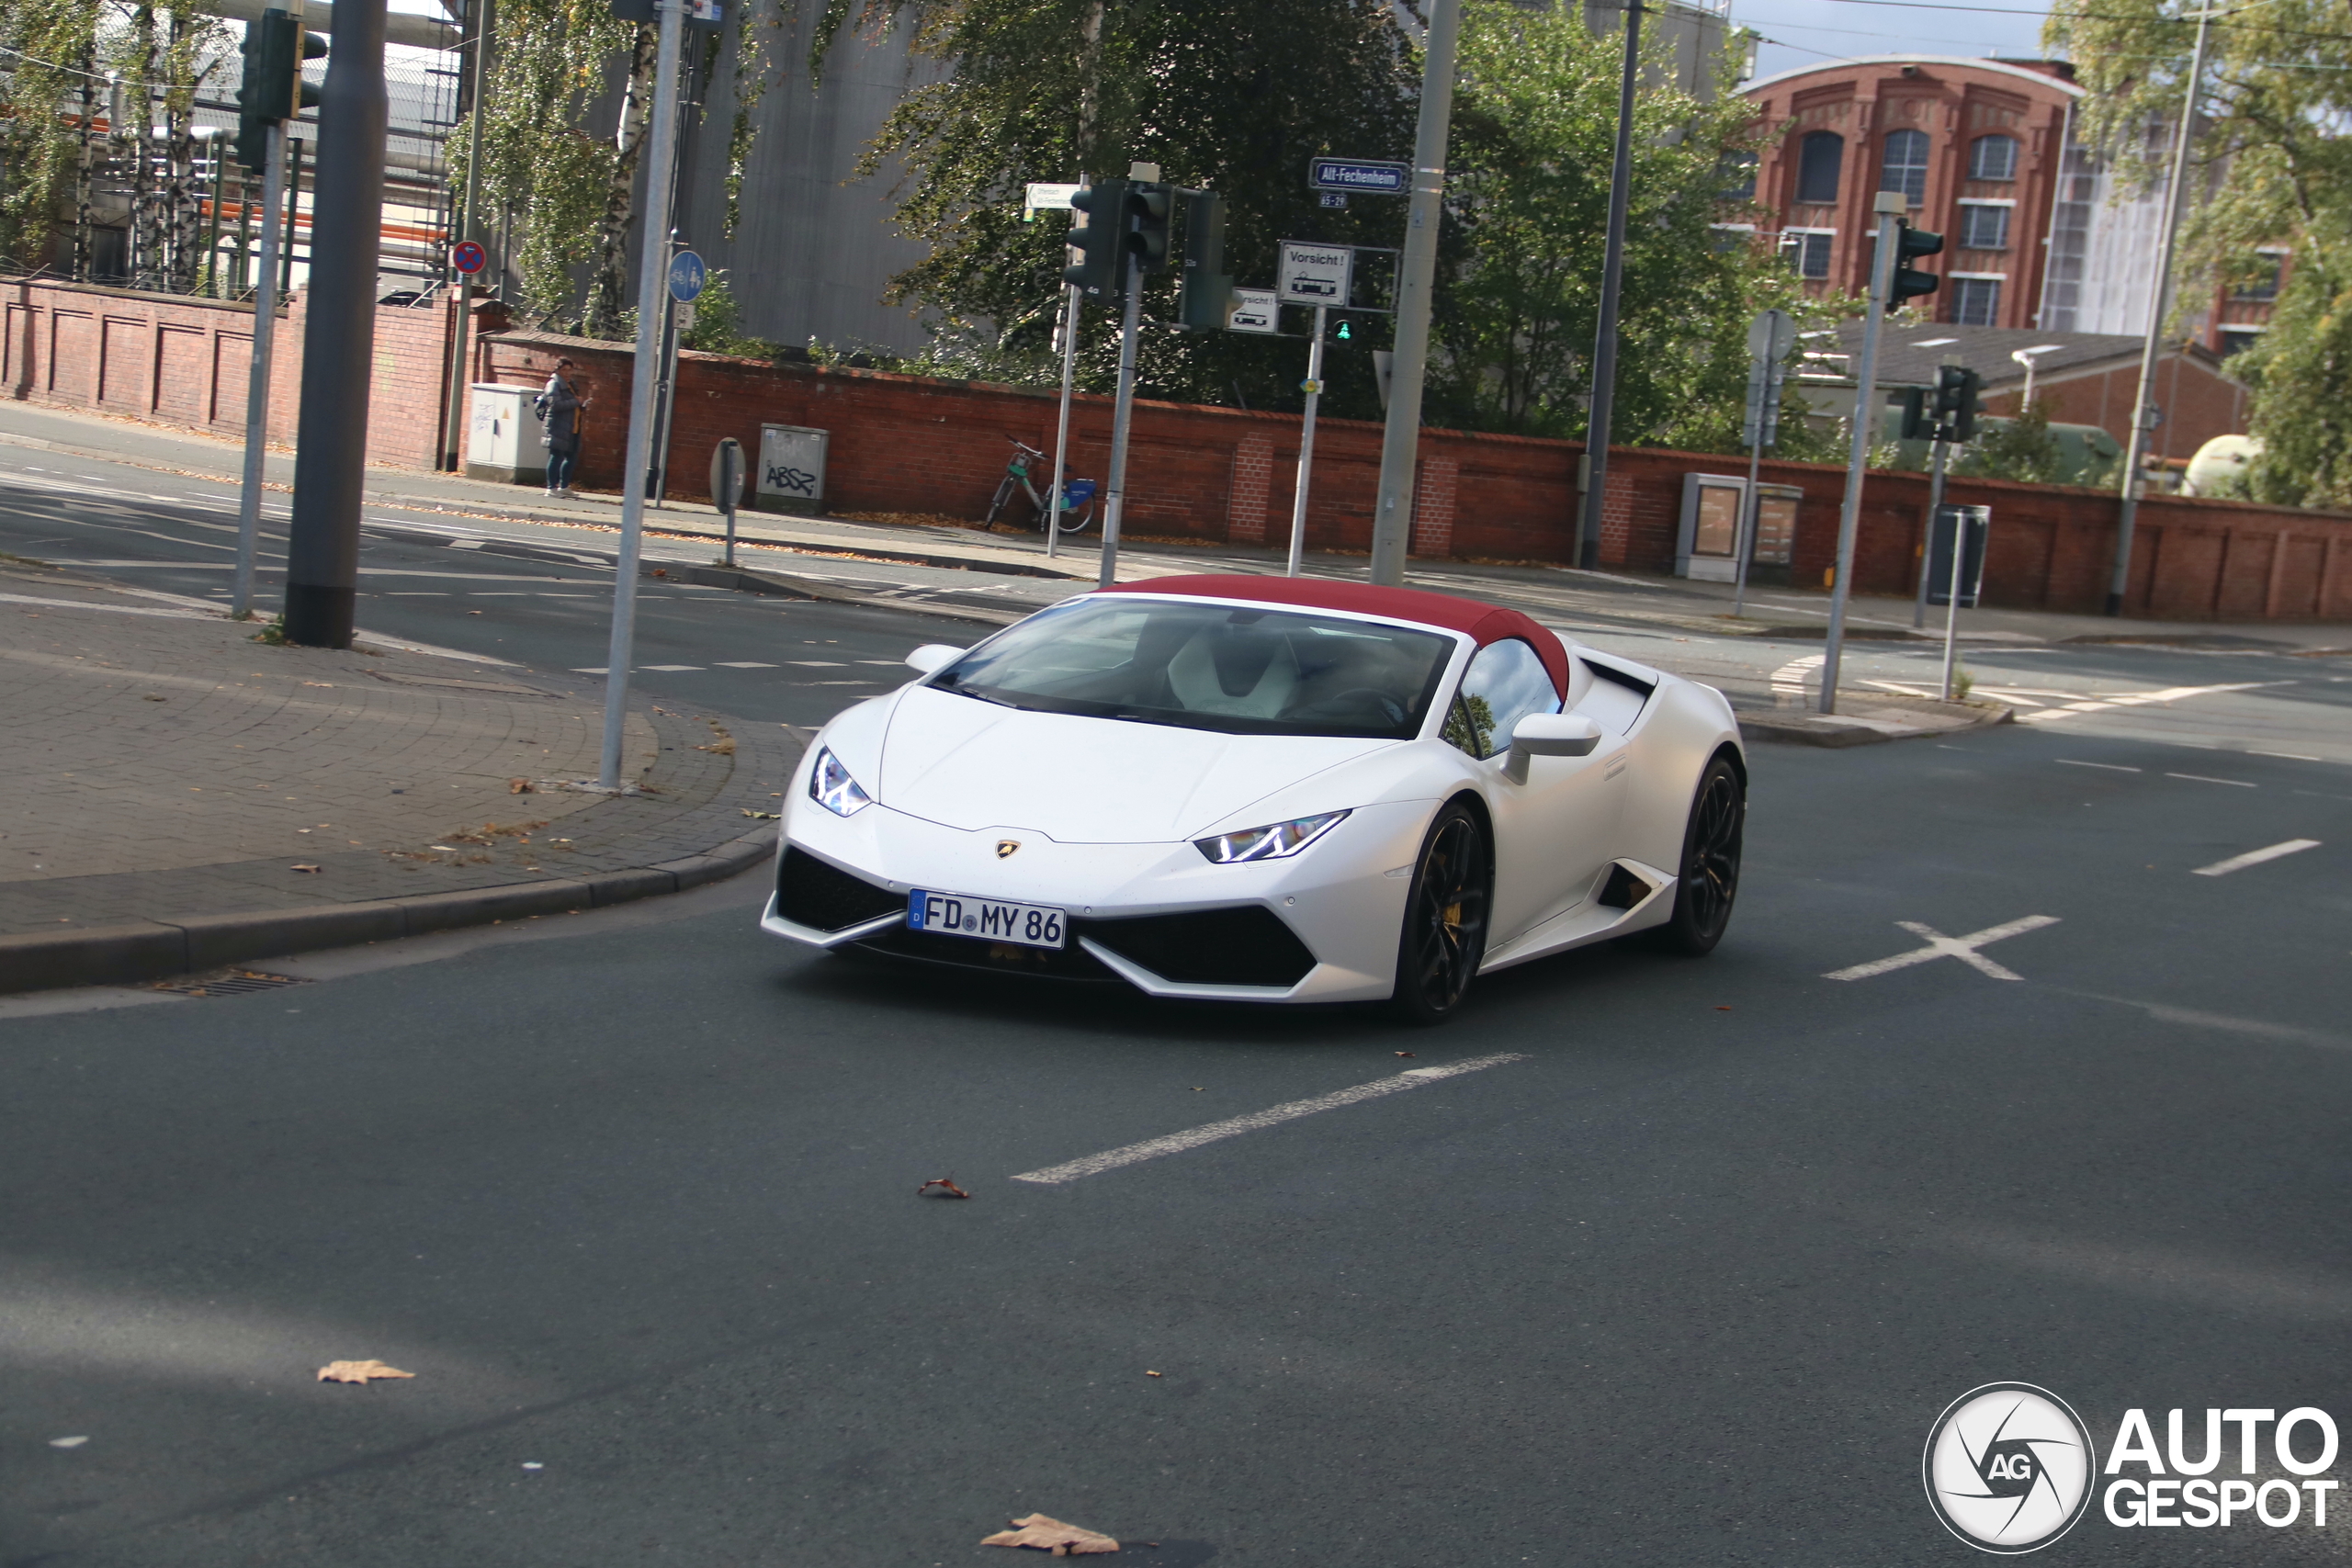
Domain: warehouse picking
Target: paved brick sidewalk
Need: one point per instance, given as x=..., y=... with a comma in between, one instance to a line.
x=170, y=772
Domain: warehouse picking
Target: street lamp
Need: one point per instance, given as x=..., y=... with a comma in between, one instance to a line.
x=2027, y=357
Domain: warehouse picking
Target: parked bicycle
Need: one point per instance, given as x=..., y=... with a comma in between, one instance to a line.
x=1077, y=495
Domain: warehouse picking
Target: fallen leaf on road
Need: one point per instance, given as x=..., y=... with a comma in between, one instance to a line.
x=721, y=748
x=358, y=1371
x=1155, y=1374
x=152, y=697
x=1052, y=1535
x=1404, y=1053
x=520, y=786
x=762, y=815
x=951, y=1189
x=658, y=571
x=1721, y=1008
x=301, y=868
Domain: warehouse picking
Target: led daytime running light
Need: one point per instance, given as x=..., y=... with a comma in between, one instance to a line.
x=830, y=786
x=1276, y=840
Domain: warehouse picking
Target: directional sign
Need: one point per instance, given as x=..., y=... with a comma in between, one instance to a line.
x=1315, y=273
x=1359, y=174
x=469, y=258
x=687, y=274
x=1047, y=196
x=1253, y=311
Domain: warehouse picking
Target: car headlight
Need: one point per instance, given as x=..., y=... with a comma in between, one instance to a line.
x=830, y=786
x=1272, y=842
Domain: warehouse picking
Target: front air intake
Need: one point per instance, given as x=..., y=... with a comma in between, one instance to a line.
x=809, y=892
x=1244, y=946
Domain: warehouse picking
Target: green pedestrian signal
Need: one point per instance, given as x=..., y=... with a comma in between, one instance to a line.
x=1345, y=332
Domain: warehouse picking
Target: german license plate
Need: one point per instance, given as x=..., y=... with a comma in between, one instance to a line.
x=987, y=919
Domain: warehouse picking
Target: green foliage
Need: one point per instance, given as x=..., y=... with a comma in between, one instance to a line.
x=51, y=43
x=2276, y=157
x=2020, y=448
x=719, y=322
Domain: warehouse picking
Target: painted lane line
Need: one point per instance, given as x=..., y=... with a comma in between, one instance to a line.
x=2132, y=699
x=743, y=664
x=2255, y=857
x=1941, y=946
x=2290, y=756
x=1177, y=1142
x=2200, y=778
x=670, y=668
x=2110, y=767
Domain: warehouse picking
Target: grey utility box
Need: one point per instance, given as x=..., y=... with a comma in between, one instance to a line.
x=791, y=476
x=1707, y=548
x=502, y=435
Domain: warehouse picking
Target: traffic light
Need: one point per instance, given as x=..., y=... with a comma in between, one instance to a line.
x=270, y=87
x=1910, y=281
x=1096, y=237
x=1345, y=333
x=1148, y=207
x=1204, y=297
x=1918, y=415
x=1956, y=402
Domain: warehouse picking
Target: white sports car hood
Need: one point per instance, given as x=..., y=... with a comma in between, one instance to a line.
x=972, y=764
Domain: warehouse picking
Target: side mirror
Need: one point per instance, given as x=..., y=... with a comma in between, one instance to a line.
x=1549, y=734
x=933, y=655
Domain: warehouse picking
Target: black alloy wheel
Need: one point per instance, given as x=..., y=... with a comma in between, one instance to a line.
x=1710, y=870
x=1445, y=918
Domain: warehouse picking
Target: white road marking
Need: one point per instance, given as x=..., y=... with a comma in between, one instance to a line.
x=2132, y=700
x=743, y=664
x=1787, y=681
x=669, y=669
x=2110, y=767
x=1177, y=1142
x=1941, y=946
x=2255, y=857
x=2200, y=778
x=2290, y=756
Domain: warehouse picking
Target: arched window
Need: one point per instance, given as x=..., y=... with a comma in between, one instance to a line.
x=1906, y=168
x=1993, y=158
x=1821, y=161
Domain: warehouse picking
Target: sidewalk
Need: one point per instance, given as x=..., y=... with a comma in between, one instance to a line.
x=200, y=799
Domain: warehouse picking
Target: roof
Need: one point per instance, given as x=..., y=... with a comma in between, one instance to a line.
x=1907, y=357
x=1482, y=623
x=1832, y=68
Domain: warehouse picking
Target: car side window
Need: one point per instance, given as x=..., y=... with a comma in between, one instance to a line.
x=1505, y=682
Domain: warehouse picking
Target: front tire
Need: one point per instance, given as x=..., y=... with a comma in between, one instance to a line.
x=1003, y=495
x=1444, y=937
x=1708, y=879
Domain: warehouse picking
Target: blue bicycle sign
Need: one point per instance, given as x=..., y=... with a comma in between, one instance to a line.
x=687, y=274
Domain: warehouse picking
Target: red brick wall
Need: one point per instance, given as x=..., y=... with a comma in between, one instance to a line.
x=186, y=362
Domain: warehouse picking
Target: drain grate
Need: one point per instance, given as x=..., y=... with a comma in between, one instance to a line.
x=235, y=983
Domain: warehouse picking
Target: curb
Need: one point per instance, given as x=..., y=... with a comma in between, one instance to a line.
x=154, y=950
x=1804, y=729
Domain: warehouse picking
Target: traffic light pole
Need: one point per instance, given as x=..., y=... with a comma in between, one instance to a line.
x=1121, y=412
x=1935, y=509
x=338, y=342
x=1306, y=445
x=1612, y=277
x=1952, y=596
x=1073, y=303
x=257, y=376
x=1890, y=206
x=1392, y=517
x=455, y=418
x=653, y=252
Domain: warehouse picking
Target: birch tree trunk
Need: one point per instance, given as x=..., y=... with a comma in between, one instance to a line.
x=609, y=289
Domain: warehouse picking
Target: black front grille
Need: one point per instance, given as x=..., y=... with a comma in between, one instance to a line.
x=1068, y=963
x=808, y=892
x=1244, y=946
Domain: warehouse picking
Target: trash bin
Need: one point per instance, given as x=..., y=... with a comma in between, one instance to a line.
x=502, y=435
x=791, y=477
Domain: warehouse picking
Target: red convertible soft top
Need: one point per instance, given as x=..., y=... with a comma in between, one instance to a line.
x=1482, y=623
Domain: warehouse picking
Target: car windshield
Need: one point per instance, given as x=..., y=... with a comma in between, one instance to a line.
x=1241, y=670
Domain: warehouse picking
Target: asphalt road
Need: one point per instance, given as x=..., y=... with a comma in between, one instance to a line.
x=633, y=1193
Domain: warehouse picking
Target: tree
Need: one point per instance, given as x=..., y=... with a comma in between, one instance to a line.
x=1535, y=125
x=2276, y=155
x=1233, y=95
x=52, y=47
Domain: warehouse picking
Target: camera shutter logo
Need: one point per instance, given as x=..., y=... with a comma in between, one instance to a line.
x=2009, y=1468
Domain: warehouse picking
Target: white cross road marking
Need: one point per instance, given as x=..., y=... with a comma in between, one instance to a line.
x=2133, y=700
x=2255, y=857
x=2110, y=767
x=1941, y=946
x=2200, y=778
x=1177, y=1142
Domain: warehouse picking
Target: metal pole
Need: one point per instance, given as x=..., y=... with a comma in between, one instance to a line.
x=731, y=472
x=293, y=212
x=657, y=473
x=1306, y=446
x=2128, y=515
x=257, y=376
x=458, y=380
x=1952, y=594
x=1935, y=506
x=1073, y=303
x=1891, y=208
x=653, y=251
x=1121, y=412
x=1612, y=277
x=1745, y=542
x=212, y=238
x=1392, y=517
x=339, y=337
